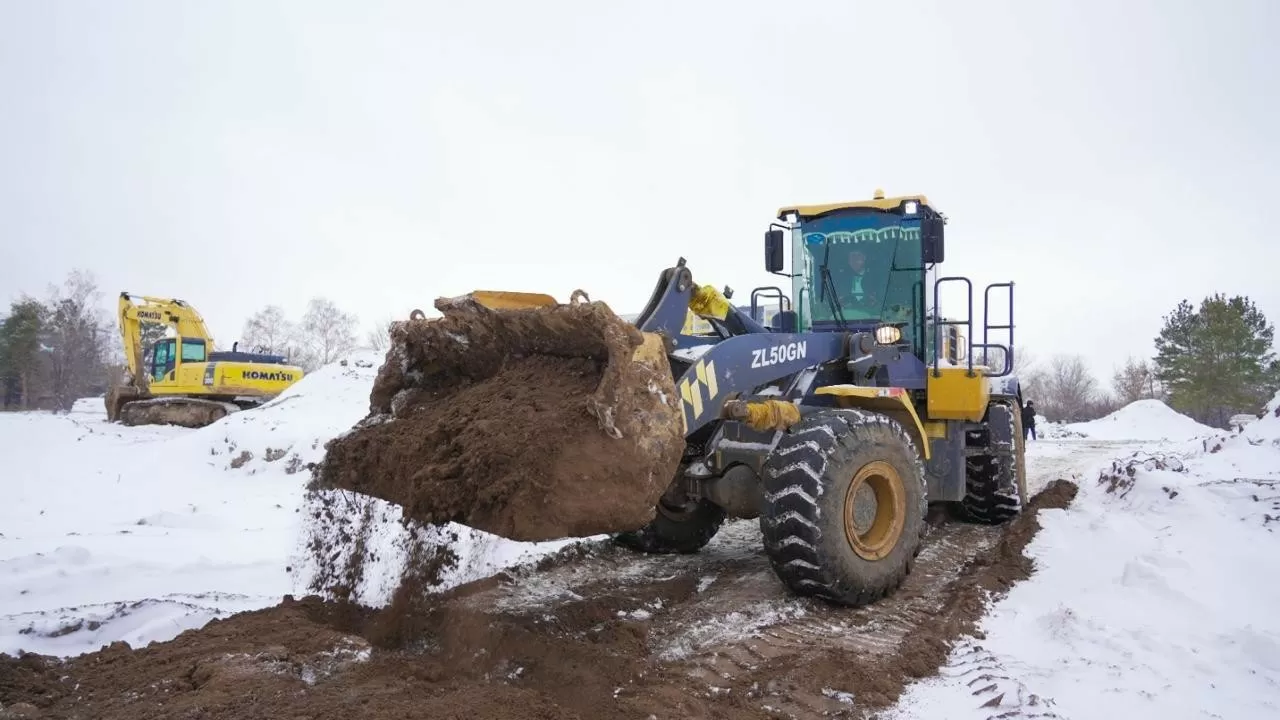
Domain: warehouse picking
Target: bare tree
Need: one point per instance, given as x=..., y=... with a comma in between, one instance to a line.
x=269, y=331
x=1135, y=381
x=379, y=338
x=1103, y=404
x=1023, y=360
x=1069, y=391
x=1026, y=367
x=326, y=332
x=75, y=339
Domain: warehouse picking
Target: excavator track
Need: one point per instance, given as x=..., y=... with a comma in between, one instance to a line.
x=182, y=411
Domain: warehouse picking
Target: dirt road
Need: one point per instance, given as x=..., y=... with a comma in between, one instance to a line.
x=595, y=632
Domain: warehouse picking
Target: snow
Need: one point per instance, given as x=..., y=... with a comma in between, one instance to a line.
x=1144, y=420
x=693, y=352
x=115, y=533
x=729, y=627
x=1154, y=596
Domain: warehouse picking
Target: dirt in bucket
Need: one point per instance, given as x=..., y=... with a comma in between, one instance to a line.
x=531, y=424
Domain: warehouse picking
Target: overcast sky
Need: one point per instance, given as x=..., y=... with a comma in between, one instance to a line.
x=1111, y=158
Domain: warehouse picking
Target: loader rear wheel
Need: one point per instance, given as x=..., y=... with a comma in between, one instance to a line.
x=676, y=530
x=988, y=498
x=844, y=506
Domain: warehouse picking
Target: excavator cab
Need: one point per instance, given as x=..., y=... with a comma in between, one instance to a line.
x=167, y=354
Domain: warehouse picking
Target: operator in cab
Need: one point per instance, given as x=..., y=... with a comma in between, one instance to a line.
x=861, y=275
x=858, y=284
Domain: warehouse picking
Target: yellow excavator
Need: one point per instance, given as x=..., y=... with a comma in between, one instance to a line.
x=182, y=380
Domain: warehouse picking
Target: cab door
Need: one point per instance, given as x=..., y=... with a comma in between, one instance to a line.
x=162, y=358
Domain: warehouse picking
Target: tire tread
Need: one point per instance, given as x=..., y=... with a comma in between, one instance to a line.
x=794, y=484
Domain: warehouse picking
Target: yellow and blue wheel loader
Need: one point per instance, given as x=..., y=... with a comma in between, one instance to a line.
x=835, y=425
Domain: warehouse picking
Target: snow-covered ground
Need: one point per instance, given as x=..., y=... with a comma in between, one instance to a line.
x=136, y=534
x=1156, y=594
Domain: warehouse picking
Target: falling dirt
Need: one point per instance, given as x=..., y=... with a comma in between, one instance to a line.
x=532, y=424
x=597, y=631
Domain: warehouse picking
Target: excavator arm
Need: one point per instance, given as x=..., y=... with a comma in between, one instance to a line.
x=166, y=311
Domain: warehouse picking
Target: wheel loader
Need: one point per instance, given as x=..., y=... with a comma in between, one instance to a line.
x=181, y=379
x=835, y=426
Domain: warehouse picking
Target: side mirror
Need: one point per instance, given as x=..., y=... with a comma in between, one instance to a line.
x=931, y=239
x=774, y=250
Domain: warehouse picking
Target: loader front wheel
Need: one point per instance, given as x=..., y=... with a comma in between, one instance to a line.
x=676, y=530
x=844, y=506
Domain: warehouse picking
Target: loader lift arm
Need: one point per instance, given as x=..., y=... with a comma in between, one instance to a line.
x=676, y=294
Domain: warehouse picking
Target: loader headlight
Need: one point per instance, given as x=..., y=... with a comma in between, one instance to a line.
x=888, y=335
x=911, y=207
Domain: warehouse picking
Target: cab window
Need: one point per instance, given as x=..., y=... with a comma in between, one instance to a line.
x=193, y=351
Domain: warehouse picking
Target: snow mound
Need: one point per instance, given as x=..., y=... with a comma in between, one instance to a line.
x=289, y=432
x=1144, y=420
x=110, y=532
x=1267, y=428
x=1154, y=593
x=1054, y=431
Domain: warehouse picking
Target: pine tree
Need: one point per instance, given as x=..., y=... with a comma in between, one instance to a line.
x=1217, y=360
x=20, y=351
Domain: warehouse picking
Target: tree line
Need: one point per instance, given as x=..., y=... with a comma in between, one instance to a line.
x=61, y=347
x=1211, y=362
x=323, y=334
x=55, y=350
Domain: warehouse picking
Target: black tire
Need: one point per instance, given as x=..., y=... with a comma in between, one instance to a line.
x=673, y=531
x=984, y=500
x=805, y=521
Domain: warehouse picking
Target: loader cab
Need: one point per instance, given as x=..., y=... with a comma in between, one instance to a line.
x=872, y=266
x=861, y=266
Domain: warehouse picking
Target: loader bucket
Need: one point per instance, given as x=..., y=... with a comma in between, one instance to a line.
x=518, y=416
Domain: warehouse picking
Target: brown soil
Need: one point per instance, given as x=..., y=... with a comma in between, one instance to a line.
x=529, y=424
x=479, y=652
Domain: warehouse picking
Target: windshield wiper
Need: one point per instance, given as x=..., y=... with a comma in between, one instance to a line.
x=893, y=267
x=828, y=283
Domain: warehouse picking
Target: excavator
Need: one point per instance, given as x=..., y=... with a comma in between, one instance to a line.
x=182, y=380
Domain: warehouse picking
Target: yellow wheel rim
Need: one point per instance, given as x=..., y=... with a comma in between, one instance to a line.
x=875, y=510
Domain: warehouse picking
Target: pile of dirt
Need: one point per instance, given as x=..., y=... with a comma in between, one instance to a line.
x=532, y=424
